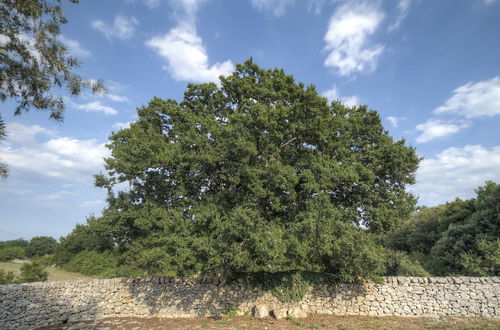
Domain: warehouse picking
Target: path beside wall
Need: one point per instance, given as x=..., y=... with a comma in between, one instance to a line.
x=39, y=304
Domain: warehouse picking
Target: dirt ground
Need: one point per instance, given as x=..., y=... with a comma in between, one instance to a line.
x=312, y=322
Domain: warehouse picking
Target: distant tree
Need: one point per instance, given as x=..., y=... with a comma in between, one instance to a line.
x=259, y=174
x=40, y=246
x=34, y=63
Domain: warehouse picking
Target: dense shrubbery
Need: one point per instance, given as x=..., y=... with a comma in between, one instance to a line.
x=91, y=262
x=14, y=249
x=11, y=252
x=460, y=237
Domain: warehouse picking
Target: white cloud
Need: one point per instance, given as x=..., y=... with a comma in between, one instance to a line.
x=435, y=128
x=347, y=38
x=183, y=49
x=481, y=99
x=456, y=172
x=488, y=2
x=122, y=125
x=276, y=7
x=394, y=121
x=53, y=156
x=402, y=8
x=117, y=98
x=122, y=28
x=74, y=47
x=25, y=135
x=96, y=106
x=334, y=94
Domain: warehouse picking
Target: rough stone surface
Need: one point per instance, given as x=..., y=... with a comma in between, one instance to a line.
x=280, y=313
x=260, y=311
x=40, y=304
x=297, y=313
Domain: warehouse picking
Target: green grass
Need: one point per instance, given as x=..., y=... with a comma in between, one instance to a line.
x=55, y=274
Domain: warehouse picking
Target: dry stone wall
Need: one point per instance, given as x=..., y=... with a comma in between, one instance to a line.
x=39, y=304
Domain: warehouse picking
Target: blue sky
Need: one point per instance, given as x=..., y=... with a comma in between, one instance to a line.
x=430, y=68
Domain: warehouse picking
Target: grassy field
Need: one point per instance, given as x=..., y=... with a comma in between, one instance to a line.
x=55, y=274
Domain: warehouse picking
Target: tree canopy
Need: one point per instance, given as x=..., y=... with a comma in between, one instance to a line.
x=40, y=246
x=258, y=174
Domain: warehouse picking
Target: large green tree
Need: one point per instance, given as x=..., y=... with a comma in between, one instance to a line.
x=259, y=174
x=35, y=65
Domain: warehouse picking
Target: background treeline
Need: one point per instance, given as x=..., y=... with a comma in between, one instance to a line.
x=20, y=249
x=39, y=250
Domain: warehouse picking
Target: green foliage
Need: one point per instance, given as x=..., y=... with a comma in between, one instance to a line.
x=46, y=260
x=487, y=260
x=400, y=264
x=16, y=242
x=40, y=246
x=260, y=174
x=7, y=277
x=94, y=263
x=34, y=60
x=459, y=238
x=12, y=252
x=472, y=236
x=33, y=272
x=92, y=236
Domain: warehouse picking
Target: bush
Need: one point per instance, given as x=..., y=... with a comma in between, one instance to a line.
x=6, y=277
x=400, y=264
x=13, y=252
x=33, y=272
x=47, y=260
x=94, y=263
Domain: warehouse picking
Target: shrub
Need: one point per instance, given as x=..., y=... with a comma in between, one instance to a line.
x=400, y=264
x=6, y=277
x=33, y=272
x=94, y=263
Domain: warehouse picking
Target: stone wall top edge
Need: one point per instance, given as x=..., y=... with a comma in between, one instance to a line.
x=197, y=280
